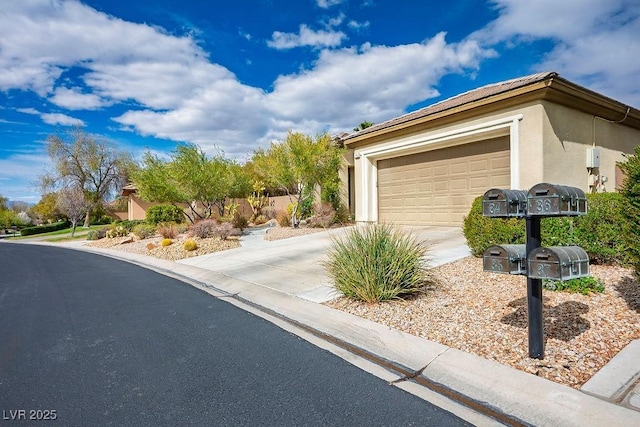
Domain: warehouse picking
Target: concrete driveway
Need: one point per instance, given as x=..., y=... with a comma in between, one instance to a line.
x=294, y=265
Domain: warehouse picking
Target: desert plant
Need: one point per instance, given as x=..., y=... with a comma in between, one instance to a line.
x=260, y=219
x=284, y=219
x=376, y=262
x=128, y=224
x=97, y=234
x=269, y=211
x=144, y=231
x=324, y=215
x=166, y=242
x=190, y=245
x=164, y=213
x=240, y=221
x=582, y=285
x=167, y=230
x=204, y=228
x=224, y=230
x=117, y=231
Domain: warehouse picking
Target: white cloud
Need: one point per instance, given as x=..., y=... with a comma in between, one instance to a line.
x=31, y=111
x=306, y=37
x=53, y=118
x=595, y=42
x=60, y=119
x=373, y=82
x=74, y=99
x=326, y=4
x=358, y=26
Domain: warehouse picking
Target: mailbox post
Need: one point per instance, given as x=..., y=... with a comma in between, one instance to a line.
x=532, y=260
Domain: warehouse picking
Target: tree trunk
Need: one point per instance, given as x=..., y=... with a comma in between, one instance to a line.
x=87, y=219
x=73, y=228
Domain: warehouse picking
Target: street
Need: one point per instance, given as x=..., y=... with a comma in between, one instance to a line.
x=89, y=340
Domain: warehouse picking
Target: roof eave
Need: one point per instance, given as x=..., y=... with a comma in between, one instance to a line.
x=555, y=89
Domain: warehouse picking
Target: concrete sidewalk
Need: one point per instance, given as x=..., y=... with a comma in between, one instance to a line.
x=285, y=279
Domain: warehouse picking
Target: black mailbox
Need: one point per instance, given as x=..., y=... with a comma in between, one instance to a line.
x=556, y=200
x=558, y=263
x=504, y=203
x=505, y=259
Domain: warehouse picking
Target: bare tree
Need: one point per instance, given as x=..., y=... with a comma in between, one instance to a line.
x=82, y=160
x=73, y=203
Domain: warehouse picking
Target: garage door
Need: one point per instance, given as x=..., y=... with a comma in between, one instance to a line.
x=437, y=187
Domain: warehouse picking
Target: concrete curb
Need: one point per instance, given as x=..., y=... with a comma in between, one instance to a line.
x=504, y=393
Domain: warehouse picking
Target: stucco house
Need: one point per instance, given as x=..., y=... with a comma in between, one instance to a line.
x=426, y=167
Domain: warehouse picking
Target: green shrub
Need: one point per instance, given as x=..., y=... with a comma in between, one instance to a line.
x=40, y=229
x=97, y=234
x=482, y=232
x=630, y=192
x=164, y=213
x=190, y=245
x=128, y=224
x=599, y=232
x=166, y=242
x=144, y=231
x=376, y=263
x=583, y=285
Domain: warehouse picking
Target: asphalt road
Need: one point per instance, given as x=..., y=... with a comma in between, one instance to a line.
x=89, y=340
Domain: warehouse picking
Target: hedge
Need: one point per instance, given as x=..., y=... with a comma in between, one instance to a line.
x=599, y=232
x=40, y=229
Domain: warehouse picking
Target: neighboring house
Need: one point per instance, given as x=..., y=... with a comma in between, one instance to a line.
x=137, y=208
x=426, y=167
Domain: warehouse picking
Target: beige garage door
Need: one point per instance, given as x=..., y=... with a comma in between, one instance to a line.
x=437, y=187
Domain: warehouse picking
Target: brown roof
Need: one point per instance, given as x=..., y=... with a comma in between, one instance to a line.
x=458, y=100
x=128, y=189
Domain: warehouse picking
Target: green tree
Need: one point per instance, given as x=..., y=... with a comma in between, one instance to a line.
x=191, y=177
x=46, y=208
x=85, y=161
x=297, y=165
x=4, y=203
x=631, y=206
x=363, y=125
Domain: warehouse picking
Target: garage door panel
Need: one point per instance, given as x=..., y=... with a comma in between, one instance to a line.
x=437, y=187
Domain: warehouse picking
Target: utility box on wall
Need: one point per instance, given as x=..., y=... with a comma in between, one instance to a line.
x=593, y=158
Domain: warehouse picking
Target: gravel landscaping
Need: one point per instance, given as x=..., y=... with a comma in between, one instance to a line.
x=486, y=314
x=483, y=313
x=173, y=252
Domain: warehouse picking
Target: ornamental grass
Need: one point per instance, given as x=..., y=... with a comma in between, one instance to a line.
x=376, y=263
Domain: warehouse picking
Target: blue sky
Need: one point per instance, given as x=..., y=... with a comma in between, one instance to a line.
x=233, y=76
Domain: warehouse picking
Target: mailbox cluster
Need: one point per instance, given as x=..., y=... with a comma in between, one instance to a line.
x=542, y=200
x=532, y=260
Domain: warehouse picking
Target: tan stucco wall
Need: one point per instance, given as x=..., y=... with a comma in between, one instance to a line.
x=568, y=134
x=549, y=144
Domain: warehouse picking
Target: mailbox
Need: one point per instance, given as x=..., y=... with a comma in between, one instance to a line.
x=505, y=259
x=504, y=203
x=556, y=200
x=558, y=263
